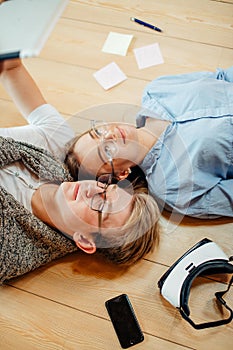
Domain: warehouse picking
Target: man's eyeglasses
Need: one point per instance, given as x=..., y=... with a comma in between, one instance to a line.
x=98, y=201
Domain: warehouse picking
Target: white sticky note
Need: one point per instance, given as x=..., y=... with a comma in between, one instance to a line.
x=109, y=76
x=148, y=56
x=117, y=43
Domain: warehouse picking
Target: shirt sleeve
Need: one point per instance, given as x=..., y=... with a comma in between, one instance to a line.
x=215, y=203
x=220, y=198
x=225, y=74
x=46, y=128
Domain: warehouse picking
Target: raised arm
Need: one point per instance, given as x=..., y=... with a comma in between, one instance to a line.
x=20, y=86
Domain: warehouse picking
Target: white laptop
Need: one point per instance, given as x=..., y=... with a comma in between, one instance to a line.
x=26, y=24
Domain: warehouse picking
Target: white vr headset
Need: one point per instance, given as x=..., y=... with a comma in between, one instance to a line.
x=205, y=258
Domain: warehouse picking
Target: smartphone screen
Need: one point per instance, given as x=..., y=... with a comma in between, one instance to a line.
x=124, y=321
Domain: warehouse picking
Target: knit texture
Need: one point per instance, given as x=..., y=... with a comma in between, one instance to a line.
x=27, y=243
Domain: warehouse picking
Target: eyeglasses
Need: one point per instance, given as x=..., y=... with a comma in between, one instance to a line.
x=107, y=148
x=98, y=201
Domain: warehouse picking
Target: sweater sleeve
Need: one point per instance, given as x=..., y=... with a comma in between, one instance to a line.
x=6, y=154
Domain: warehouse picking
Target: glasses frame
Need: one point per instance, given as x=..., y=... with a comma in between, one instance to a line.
x=101, y=138
x=104, y=186
x=110, y=176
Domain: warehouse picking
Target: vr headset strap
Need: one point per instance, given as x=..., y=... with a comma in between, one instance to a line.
x=219, y=296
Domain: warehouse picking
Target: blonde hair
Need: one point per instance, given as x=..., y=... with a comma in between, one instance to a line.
x=138, y=236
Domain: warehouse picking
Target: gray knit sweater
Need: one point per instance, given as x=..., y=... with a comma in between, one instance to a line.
x=25, y=241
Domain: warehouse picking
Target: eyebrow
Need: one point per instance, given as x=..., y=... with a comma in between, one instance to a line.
x=105, y=216
x=107, y=213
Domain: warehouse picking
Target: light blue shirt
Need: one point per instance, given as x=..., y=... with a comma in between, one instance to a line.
x=190, y=169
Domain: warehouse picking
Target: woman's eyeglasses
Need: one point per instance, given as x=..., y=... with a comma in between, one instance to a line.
x=107, y=147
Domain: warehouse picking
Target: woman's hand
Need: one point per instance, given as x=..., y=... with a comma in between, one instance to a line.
x=9, y=64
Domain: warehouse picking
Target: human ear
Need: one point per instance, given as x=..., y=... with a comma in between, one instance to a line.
x=123, y=174
x=84, y=243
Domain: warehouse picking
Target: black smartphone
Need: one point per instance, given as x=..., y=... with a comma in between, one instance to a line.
x=124, y=321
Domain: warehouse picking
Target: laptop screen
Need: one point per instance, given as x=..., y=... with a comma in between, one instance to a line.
x=26, y=24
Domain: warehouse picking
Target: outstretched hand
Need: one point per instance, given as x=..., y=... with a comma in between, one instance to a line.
x=9, y=64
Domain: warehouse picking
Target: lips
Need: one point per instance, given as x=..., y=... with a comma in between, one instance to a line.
x=76, y=189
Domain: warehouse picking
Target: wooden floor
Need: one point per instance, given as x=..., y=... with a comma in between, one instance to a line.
x=61, y=306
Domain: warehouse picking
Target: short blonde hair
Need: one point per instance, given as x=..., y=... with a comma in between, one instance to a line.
x=139, y=235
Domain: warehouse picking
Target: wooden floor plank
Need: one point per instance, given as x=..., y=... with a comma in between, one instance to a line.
x=202, y=21
x=77, y=43
x=85, y=284
x=31, y=322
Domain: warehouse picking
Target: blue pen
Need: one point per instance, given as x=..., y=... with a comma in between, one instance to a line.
x=145, y=24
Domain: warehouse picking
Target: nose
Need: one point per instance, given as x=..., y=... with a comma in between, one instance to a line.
x=112, y=192
x=92, y=189
x=110, y=134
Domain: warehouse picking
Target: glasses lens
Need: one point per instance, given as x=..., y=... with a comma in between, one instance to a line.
x=99, y=128
x=104, y=180
x=108, y=149
x=98, y=202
